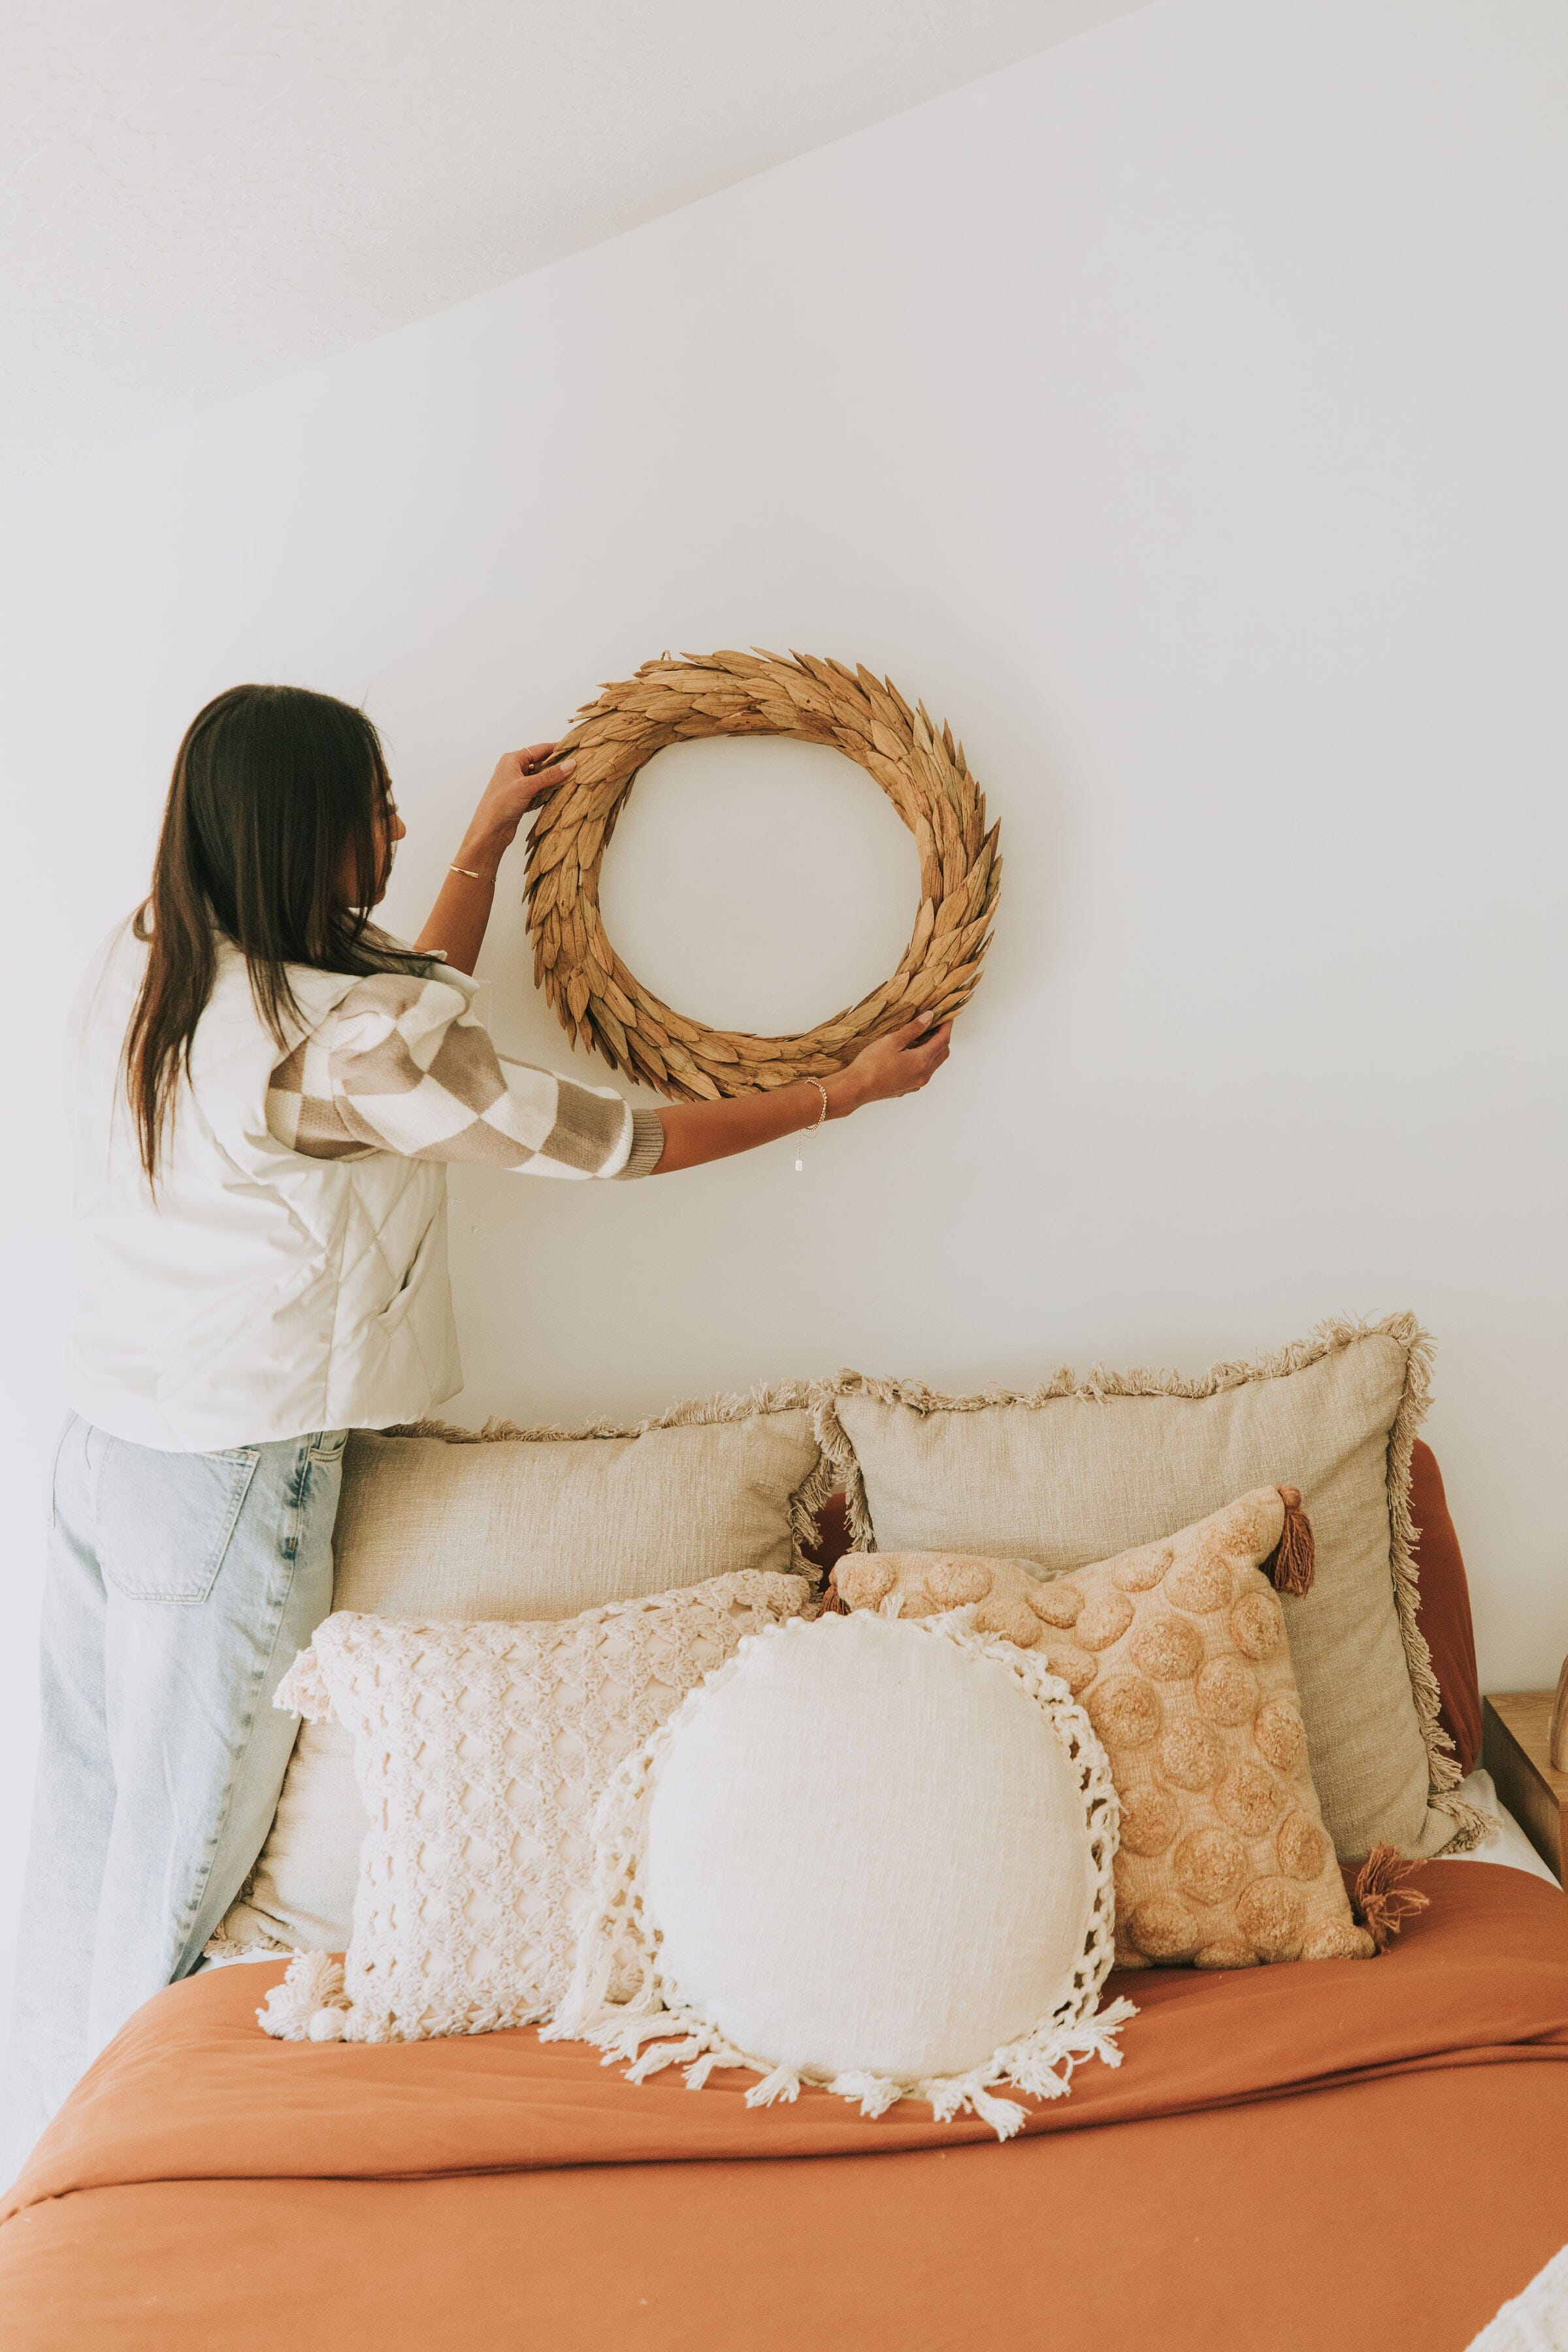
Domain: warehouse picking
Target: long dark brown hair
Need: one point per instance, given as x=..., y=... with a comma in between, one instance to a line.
x=277, y=795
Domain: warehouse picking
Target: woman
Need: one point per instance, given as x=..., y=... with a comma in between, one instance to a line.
x=265, y=1091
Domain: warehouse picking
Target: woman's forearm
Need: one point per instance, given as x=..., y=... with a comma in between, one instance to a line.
x=899, y=1064
x=695, y=1133
x=457, y=920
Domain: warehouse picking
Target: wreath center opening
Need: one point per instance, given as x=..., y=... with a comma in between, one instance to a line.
x=758, y=883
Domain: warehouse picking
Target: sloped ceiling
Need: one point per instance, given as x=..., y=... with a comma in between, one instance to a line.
x=198, y=196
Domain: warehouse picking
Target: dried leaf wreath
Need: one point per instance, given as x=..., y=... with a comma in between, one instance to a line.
x=923, y=773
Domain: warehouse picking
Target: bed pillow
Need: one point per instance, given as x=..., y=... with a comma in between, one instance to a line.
x=1443, y=1595
x=1177, y=1651
x=870, y=1856
x=448, y=1525
x=1445, y=1607
x=482, y=1752
x=1078, y=1470
x=509, y=1522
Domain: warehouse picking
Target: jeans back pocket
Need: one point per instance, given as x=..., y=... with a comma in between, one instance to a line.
x=164, y=1521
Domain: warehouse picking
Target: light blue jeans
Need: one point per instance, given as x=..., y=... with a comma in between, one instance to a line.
x=180, y=1587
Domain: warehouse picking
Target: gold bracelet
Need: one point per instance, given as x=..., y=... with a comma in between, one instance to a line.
x=467, y=872
x=822, y=1114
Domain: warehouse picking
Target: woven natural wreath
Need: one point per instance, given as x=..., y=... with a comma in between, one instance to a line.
x=922, y=771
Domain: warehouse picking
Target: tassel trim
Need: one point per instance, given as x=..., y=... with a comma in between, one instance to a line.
x=311, y=2004
x=1383, y=1901
x=304, y=1690
x=1292, y=1564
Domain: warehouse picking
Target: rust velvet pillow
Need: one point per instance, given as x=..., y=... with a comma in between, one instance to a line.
x=1445, y=1607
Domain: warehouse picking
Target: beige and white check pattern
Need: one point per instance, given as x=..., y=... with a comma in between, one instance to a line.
x=404, y=1065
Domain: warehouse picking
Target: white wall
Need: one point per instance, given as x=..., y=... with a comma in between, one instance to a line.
x=1180, y=413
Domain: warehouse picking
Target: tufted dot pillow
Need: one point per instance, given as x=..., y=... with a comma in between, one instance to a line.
x=1177, y=1651
x=871, y=1855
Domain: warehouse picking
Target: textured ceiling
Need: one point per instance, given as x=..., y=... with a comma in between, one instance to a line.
x=197, y=195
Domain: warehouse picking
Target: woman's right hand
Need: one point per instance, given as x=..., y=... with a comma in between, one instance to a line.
x=899, y=1064
x=520, y=779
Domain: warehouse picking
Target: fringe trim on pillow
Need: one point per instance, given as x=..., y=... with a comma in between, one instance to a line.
x=1041, y=2065
x=693, y=1413
x=618, y=1942
x=254, y=1946
x=1443, y=1774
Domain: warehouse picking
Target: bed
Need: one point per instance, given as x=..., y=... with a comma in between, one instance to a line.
x=1346, y=2155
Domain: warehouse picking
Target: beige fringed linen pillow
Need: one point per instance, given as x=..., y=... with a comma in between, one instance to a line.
x=1178, y=1652
x=482, y=1752
x=453, y=1525
x=865, y=1855
x=1076, y=1472
x=507, y=1522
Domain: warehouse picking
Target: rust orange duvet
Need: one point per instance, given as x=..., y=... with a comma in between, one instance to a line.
x=1334, y=2157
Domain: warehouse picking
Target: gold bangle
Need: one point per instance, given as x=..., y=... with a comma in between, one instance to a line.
x=467, y=872
x=822, y=1114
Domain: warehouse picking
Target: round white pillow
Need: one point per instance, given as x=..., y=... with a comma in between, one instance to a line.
x=866, y=1853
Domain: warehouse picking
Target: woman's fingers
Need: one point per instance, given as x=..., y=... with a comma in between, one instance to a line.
x=541, y=781
x=919, y=1037
x=541, y=773
x=512, y=792
x=927, y=1056
x=521, y=774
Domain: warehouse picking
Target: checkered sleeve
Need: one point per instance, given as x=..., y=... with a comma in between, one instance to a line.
x=404, y=1065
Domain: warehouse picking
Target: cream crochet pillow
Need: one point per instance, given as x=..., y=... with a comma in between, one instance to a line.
x=455, y=1525
x=481, y=1751
x=870, y=1856
x=1178, y=1651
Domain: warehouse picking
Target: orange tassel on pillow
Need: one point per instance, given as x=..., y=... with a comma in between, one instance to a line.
x=1382, y=1899
x=833, y=1601
x=1293, y=1562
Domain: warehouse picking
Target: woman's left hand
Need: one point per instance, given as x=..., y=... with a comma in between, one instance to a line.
x=520, y=779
